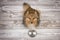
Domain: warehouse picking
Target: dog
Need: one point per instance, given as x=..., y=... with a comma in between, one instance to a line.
x=30, y=16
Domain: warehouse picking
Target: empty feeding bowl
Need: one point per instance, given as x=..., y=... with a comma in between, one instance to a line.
x=32, y=33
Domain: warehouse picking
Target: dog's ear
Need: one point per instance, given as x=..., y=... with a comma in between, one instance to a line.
x=36, y=14
x=27, y=13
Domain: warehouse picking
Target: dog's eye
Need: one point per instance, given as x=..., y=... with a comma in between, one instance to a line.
x=33, y=18
x=28, y=18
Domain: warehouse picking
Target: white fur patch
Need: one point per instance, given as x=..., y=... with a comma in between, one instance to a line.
x=31, y=27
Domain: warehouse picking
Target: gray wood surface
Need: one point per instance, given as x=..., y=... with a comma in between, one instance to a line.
x=11, y=15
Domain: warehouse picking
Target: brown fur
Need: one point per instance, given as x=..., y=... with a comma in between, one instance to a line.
x=31, y=16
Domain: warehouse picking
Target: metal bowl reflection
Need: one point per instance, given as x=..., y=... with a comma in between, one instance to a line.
x=32, y=33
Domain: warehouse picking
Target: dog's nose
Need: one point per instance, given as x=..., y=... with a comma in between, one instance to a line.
x=31, y=22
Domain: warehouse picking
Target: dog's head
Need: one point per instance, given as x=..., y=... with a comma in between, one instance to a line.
x=32, y=18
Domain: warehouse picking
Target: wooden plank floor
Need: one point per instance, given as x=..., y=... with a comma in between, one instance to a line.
x=11, y=15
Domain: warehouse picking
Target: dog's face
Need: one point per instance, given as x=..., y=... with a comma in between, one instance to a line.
x=31, y=18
